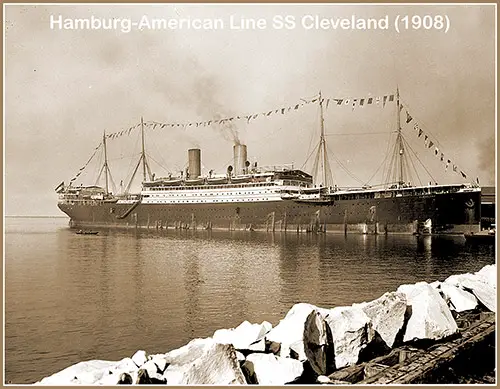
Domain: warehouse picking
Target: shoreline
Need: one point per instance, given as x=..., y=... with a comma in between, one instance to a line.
x=315, y=345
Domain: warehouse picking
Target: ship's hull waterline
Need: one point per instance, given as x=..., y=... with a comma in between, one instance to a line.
x=452, y=213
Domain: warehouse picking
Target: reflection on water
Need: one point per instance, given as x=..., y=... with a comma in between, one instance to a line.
x=77, y=297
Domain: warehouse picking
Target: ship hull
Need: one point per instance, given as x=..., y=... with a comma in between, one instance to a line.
x=453, y=213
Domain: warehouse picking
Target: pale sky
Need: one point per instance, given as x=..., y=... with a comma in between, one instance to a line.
x=63, y=88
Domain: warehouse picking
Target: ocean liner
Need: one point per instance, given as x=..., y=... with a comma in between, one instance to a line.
x=278, y=198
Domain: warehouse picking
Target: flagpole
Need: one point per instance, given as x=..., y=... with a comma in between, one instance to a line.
x=400, y=138
x=143, y=155
x=322, y=140
x=105, y=160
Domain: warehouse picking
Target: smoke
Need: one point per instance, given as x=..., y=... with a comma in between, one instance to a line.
x=486, y=160
x=208, y=98
x=77, y=83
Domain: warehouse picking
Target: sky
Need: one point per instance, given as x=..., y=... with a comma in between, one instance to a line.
x=65, y=87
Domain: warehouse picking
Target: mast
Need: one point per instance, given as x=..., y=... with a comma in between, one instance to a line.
x=143, y=154
x=142, y=158
x=324, y=176
x=106, y=168
x=322, y=138
x=400, y=138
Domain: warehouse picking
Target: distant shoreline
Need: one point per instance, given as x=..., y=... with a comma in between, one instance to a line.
x=35, y=217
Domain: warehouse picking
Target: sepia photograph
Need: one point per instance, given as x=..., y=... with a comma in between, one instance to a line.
x=271, y=194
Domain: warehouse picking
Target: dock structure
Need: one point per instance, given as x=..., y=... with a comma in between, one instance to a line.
x=471, y=352
x=487, y=206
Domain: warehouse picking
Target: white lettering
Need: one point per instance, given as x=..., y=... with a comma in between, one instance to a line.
x=58, y=21
x=353, y=23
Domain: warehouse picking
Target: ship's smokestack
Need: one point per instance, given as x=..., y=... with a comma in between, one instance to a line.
x=240, y=157
x=194, y=158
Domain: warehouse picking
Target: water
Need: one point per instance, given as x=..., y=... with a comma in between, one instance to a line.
x=73, y=297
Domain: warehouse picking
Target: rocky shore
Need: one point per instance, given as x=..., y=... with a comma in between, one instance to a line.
x=310, y=344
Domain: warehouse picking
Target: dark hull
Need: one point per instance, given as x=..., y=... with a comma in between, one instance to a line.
x=449, y=212
x=483, y=237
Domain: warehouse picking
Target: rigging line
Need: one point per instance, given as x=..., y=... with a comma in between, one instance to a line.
x=328, y=171
x=391, y=171
x=435, y=140
x=157, y=153
x=363, y=133
x=413, y=163
x=376, y=171
x=416, y=156
x=316, y=162
x=312, y=132
x=307, y=159
x=386, y=169
x=344, y=167
x=387, y=172
x=123, y=157
x=384, y=160
x=99, y=165
x=129, y=175
x=240, y=116
x=154, y=160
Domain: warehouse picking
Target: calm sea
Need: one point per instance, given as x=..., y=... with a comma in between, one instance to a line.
x=71, y=297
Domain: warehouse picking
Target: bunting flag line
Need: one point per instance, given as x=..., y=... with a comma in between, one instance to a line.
x=347, y=101
x=86, y=164
x=408, y=117
x=429, y=143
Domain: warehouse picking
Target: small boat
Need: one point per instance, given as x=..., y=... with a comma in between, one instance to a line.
x=82, y=232
x=241, y=179
x=195, y=181
x=484, y=237
x=217, y=180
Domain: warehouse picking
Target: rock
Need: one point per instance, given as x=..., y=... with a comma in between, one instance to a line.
x=387, y=315
x=160, y=362
x=478, y=285
x=430, y=316
x=290, y=330
x=435, y=284
x=351, y=332
x=120, y=371
x=323, y=379
x=240, y=356
x=140, y=358
x=318, y=346
x=190, y=352
x=83, y=373
x=246, y=336
x=125, y=379
x=459, y=299
x=154, y=373
x=489, y=273
x=143, y=378
x=268, y=369
x=203, y=362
